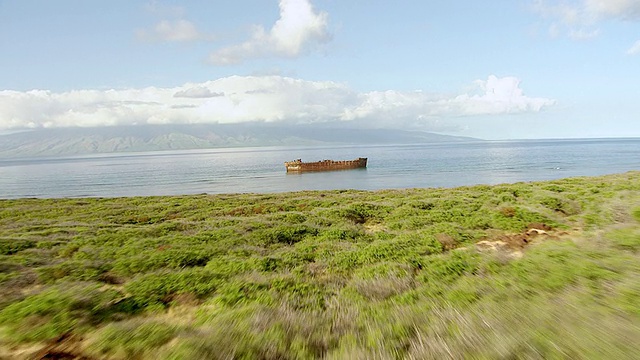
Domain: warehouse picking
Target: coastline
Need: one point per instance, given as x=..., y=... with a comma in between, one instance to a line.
x=254, y=170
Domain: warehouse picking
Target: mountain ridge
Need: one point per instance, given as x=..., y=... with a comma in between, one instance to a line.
x=80, y=141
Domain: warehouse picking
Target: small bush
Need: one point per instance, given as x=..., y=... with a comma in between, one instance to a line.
x=131, y=339
x=158, y=288
x=362, y=212
x=407, y=249
x=567, y=207
x=549, y=267
x=449, y=267
x=171, y=258
x=518, y=221
x=12, y=246
x=340, y=233
x=287, y=235
x=554, y=188
x=73, y=270
x=239, y=292
x=508, y=211
x=626, y=239
x=57, y=311
x=228, y=266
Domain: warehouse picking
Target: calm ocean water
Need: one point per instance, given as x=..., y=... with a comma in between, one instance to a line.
x=262, y=170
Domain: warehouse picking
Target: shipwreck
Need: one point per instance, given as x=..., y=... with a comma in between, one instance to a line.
x=325, y=165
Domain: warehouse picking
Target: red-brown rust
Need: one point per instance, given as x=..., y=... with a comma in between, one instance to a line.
x=325, y=165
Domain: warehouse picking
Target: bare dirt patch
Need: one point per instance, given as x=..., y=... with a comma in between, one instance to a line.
x=447, y=241
x=513, y=244
x=371, y=228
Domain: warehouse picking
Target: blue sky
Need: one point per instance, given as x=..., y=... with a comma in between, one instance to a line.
x=496, y=69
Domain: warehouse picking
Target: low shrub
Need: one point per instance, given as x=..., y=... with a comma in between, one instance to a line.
x=131, y=339
x=625, y=239
x=58, y=310
x=10, y=246
x=360, y=213
x=518, y=220
x=284, y=234
x=150, y=290
x=178, y=257
x=564, y=206
x=449, y=267
x=75, y=270
x=406, y=249
x=243, y=291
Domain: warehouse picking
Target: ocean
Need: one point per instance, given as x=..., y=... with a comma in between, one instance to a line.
x=261, y=169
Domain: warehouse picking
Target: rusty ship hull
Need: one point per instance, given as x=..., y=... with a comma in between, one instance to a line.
x=325, y=165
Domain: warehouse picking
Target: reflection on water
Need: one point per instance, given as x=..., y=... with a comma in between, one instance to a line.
x=262, y=169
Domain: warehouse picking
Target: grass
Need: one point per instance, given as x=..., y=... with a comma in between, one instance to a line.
x=327, y=274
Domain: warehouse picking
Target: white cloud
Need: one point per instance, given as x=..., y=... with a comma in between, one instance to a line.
x=172, y=31
x=299, y=28
x=620, y=9
x=580, y=18
x=568, y=13
x=268, y=98
x=588, y=11
x=634, y=49
x=499, y=96
x=493, y=96
x=197, y=92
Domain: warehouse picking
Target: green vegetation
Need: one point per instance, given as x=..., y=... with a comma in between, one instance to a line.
x=527, y=270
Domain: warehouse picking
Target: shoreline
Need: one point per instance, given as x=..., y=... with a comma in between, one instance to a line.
x=308, y=191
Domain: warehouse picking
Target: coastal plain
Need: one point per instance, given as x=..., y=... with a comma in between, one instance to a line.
x=524, y=270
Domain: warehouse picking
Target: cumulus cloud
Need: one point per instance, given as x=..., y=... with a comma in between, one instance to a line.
x=172, y=31
x=197, y=92
x=503, y=95
x=493, y=96
x=298, y=29
x=268, y=98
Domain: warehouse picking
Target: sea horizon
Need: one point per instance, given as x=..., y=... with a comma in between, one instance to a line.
x=261, y=169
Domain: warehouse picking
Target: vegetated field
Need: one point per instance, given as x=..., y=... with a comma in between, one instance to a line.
x=526, y=270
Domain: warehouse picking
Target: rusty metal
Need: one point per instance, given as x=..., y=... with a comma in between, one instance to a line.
x=325, y=165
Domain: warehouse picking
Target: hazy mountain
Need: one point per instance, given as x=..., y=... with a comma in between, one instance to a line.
x=77, y=141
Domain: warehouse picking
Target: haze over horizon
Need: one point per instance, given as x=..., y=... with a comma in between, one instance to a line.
x=492, y=70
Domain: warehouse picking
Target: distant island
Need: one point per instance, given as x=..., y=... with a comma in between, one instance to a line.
x=80, y=141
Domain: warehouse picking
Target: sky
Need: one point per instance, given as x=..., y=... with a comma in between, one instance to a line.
x=497, y=69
